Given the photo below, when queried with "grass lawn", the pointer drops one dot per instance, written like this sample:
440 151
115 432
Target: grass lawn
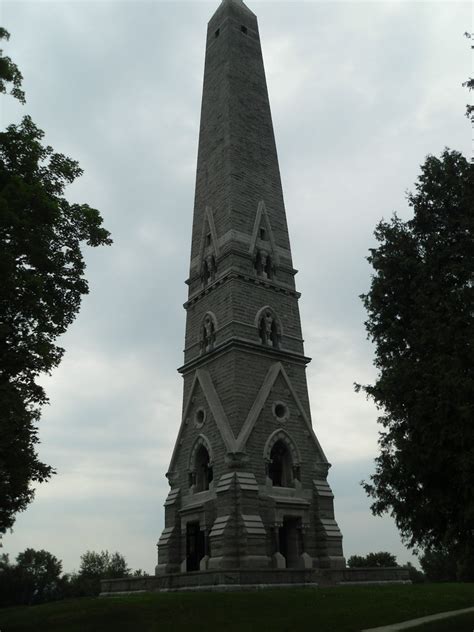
341 609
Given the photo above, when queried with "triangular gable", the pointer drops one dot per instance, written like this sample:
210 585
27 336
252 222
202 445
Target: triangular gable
232 444
274 371
208 226
203 378
262 218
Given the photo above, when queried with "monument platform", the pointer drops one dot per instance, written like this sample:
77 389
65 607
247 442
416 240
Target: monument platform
253 579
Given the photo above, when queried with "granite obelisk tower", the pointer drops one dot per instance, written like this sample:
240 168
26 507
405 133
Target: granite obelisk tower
247 475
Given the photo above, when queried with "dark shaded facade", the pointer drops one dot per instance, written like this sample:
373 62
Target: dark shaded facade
247 475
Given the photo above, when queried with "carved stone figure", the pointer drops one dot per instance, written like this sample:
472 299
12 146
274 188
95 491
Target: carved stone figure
208 334
211 266
268 321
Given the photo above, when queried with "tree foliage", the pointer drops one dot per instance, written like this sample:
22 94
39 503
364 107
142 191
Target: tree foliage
10 76
469 84
382 559
421 318
414 574
94 567
35 578
439 565
104 564
41 285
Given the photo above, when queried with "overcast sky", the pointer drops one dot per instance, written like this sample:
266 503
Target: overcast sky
360 94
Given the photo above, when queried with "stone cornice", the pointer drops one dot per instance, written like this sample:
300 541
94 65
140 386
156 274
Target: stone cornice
244 345
236 273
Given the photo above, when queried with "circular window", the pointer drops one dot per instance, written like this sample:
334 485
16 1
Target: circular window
280 411
199 417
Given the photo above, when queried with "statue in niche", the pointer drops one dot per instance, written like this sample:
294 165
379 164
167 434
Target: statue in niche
268 329
209 268
208 334
263 264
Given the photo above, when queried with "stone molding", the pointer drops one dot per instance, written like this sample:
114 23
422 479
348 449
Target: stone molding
263 215
247 345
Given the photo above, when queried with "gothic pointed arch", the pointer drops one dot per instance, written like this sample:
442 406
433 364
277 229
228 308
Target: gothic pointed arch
209 248
201 440
284 436
200 465
262 244
282 459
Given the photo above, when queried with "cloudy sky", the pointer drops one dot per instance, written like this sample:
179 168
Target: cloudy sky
360 94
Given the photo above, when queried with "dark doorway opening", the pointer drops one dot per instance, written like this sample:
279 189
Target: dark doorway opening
194 546
289 540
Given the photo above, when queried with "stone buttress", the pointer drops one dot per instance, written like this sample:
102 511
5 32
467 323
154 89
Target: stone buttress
248 476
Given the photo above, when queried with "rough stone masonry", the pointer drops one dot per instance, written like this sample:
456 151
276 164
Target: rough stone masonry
247 476
249 503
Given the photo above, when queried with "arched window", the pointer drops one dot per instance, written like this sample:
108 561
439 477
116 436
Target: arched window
202 469
280 468
268 329
282 460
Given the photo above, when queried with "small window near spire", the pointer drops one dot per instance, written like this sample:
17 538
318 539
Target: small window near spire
262 234
208 239
243 29
216 34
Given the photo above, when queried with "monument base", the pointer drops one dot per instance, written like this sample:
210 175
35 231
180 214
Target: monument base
253 579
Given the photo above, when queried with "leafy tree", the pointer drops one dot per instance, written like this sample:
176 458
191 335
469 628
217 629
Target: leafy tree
96 566
40 574
421 318
382 559
10 587
439 565
35 578
9 73
103 564
41 285
416 576
469 84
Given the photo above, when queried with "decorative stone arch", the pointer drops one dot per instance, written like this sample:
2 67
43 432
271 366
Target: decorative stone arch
269 326
282 435
202 440
209 248
200 471
282 460
207 332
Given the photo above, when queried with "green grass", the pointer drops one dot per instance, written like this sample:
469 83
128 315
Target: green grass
342 609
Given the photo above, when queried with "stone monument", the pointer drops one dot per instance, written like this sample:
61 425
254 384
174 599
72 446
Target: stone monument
248 476
249 502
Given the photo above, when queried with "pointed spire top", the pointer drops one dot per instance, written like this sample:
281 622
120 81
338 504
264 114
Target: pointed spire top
239 3
237 6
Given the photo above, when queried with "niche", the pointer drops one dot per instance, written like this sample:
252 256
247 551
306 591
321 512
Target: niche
263 264
268 329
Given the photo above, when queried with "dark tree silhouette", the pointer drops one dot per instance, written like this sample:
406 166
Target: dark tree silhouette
41 285
421 318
